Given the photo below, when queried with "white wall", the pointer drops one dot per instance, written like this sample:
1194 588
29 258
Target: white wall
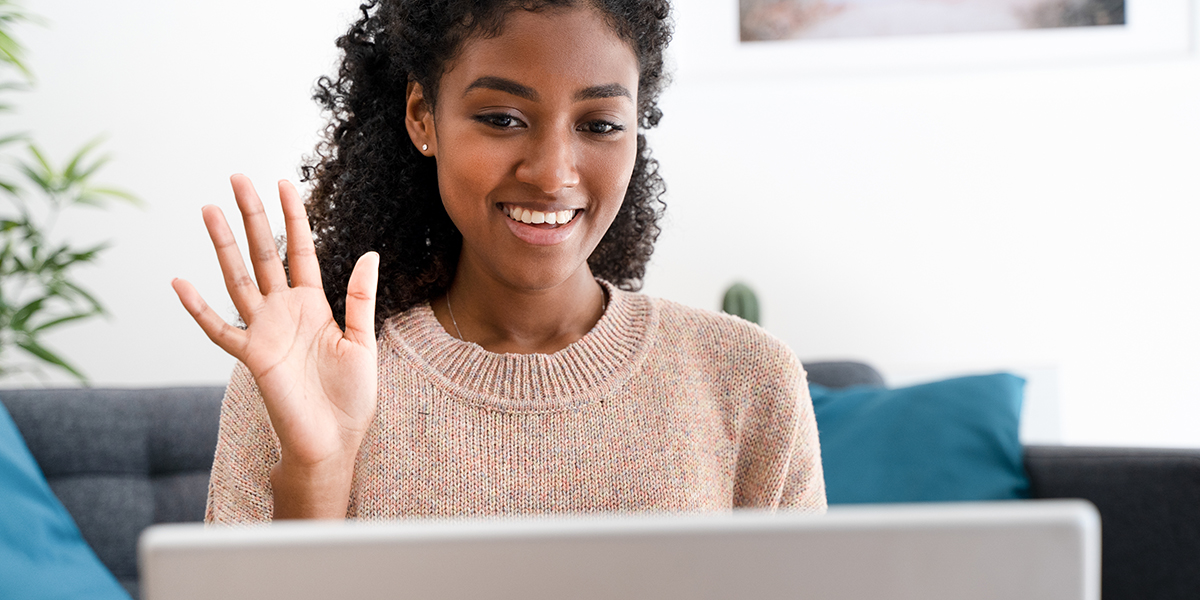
932 222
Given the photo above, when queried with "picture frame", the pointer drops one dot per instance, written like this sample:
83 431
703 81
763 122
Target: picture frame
707 43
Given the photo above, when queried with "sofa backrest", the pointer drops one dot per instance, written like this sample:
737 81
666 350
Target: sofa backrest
842 374
122 460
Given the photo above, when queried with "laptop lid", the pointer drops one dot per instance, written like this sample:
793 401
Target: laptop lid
1027 550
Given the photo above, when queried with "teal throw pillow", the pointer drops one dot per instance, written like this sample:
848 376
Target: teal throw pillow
42 554
952 440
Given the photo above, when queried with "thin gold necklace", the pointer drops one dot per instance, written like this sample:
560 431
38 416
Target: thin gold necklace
452 319
450 307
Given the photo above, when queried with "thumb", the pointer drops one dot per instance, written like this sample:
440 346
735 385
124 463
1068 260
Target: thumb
360 300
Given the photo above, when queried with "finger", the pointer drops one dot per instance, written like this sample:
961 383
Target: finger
360 300
239 283
229 338
302 256
264 255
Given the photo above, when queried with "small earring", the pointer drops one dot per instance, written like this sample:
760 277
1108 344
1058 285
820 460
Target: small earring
424 147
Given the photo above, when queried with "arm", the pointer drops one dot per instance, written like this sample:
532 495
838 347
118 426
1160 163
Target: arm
239 490
804 486
779 463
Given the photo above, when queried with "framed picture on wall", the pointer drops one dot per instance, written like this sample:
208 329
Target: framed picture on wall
774 37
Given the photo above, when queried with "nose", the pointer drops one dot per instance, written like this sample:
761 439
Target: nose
550 163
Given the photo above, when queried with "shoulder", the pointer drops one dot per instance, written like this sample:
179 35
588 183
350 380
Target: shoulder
721 346
719 333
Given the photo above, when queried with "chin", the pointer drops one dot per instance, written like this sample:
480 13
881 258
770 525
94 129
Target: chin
541 277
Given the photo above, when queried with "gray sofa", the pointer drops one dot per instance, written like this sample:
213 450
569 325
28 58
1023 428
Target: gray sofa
121 460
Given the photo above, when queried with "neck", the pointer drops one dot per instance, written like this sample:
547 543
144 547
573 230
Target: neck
503 318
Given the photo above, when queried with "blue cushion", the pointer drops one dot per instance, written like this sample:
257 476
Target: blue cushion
952 440
42 554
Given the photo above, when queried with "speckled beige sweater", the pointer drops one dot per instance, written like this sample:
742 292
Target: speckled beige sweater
660 407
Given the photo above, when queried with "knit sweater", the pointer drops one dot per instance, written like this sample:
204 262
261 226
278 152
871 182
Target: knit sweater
659 407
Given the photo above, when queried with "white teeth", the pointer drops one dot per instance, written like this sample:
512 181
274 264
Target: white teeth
535 217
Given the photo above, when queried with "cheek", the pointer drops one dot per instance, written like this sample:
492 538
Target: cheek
465 174
610 174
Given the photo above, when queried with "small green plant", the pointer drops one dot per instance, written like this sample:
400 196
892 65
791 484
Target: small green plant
37 291
740 301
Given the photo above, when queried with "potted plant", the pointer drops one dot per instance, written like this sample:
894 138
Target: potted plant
38 289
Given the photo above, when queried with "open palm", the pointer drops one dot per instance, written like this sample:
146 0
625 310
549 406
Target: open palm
318 382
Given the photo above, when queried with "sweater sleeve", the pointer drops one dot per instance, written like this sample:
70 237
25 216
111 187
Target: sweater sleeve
779 464
239 490
804 485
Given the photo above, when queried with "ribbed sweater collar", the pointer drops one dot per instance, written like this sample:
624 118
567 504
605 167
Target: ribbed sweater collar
581 373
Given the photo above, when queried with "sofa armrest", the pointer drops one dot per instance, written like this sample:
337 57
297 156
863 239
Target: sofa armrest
1149 503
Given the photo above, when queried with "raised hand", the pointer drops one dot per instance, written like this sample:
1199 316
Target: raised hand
319 383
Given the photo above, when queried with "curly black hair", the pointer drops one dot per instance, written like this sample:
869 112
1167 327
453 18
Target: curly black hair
374 191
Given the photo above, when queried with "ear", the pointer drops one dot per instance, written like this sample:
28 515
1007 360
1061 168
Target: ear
419 120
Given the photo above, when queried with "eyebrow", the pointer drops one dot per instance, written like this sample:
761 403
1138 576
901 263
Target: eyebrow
501 84
608 90
508 86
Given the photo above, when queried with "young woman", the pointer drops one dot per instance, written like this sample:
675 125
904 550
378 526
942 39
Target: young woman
455 331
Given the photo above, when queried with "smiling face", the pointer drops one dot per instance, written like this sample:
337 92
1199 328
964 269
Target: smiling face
535 136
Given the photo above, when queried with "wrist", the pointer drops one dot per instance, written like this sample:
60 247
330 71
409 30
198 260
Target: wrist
312 490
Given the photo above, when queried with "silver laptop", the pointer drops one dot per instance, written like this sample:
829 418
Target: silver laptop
1027 550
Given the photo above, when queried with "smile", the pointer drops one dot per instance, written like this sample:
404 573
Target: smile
537 217
541 228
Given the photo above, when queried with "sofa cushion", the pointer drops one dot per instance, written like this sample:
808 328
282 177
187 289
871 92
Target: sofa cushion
950 440
42 554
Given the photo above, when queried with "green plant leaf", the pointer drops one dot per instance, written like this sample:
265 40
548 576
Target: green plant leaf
40 179
25 312
86 296
64 320
41 158
89 254
12 53
115 193
70 172
12 189
37 350
80 176
15 137
65 256
19 266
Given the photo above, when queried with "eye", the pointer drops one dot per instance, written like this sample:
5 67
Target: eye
499 120
602 127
